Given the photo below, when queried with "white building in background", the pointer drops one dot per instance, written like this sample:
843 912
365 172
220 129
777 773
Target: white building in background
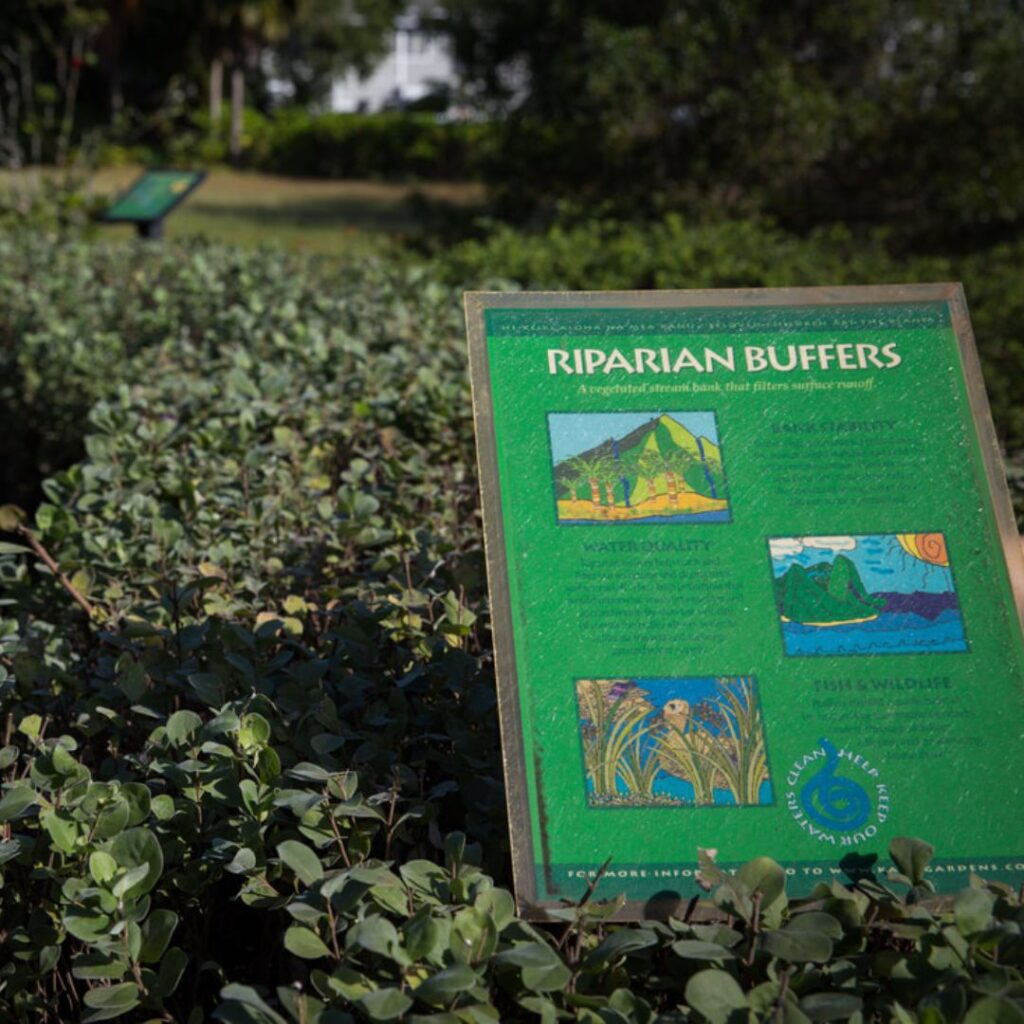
419 63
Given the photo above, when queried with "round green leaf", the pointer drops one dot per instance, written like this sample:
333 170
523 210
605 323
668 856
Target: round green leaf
993 1010
797 946
102 867
112 819
132 681
424 937
30 726
63 762
718 997
546 979
181 725
617 945
15 801
384 1004
87 925
120 998
972 911
139 801
374 934
134 847
304 943
694 949
911 856
172 967
162 807
816 921
302 860
831 1005
528 954
62 829
440 988
500 905
131 878
156 935
11 517
253 732
763 875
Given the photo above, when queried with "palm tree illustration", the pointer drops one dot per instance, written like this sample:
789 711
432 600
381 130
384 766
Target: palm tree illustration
666 463
592 470
573 480
649 465
630 472
680 462
609 477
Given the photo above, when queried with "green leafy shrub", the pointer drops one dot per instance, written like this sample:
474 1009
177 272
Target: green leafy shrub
250 763
676 253
405 145
74 314
398 145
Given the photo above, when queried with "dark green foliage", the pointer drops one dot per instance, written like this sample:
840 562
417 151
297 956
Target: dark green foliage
131 70
252 774
405 146
399 145
897 112
675 252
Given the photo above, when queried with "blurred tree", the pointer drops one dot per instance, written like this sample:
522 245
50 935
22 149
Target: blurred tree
140 61
327 38
299 45
903 111
45 46
238 32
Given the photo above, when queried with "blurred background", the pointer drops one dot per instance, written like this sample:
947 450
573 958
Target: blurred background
548 143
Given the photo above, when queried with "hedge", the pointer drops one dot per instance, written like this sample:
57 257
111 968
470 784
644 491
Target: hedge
677 253
398 145
402 145
251 764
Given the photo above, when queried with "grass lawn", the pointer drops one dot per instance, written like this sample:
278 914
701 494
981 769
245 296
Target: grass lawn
311 215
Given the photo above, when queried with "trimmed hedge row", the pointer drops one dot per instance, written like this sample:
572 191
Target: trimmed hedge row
250 761
392 145
676 253
417 146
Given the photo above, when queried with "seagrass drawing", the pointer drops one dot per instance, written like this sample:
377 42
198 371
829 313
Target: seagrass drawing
673 742
637 468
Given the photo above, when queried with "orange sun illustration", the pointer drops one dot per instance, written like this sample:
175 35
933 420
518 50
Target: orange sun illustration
928 547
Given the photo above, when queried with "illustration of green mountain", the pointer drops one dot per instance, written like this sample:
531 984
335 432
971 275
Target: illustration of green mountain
825 594
660 468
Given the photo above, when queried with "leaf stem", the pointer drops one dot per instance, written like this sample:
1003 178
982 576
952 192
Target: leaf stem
337 831
33 542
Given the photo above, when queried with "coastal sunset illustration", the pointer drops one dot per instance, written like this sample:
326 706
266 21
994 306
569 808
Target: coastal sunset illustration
890 593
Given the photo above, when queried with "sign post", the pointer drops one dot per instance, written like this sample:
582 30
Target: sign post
756 587
150 198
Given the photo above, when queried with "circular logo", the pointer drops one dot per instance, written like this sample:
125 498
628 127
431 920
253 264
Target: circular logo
836 795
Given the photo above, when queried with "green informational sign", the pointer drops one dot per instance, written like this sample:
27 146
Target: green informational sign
153 196
753 571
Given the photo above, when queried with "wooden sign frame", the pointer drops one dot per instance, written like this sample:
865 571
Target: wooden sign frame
755 394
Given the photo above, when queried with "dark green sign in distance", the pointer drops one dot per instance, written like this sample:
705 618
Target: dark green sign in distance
152 196
756 587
